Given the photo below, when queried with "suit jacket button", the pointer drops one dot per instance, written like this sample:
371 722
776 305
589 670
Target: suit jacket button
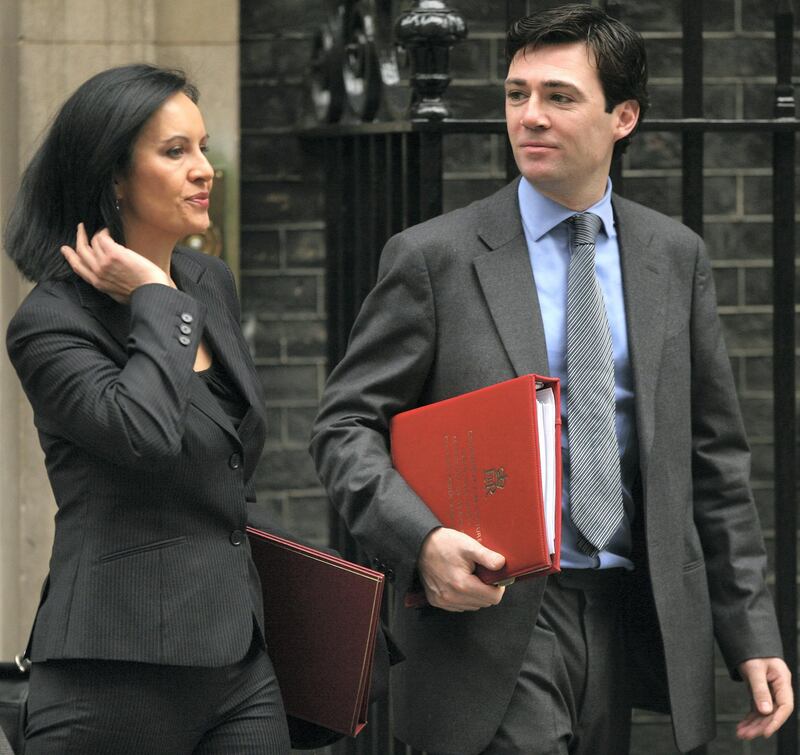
186 317
184 340
235 461
237 537
185 329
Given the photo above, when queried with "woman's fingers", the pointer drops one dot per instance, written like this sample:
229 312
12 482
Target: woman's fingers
71 256
85 252
110 267
81 257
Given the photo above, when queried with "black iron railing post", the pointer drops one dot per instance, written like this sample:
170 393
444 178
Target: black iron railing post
783 360
692 96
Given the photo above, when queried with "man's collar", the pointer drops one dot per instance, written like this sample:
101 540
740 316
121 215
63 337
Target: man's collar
541 214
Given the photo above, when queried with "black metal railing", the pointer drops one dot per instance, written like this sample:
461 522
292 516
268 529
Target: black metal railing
387 174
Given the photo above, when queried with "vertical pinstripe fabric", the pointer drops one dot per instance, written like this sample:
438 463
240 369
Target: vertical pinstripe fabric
595 487
150 476
78 707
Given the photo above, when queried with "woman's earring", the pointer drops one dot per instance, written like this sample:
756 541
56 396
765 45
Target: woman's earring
116 204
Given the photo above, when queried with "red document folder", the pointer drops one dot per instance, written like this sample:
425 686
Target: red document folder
475 460
321 616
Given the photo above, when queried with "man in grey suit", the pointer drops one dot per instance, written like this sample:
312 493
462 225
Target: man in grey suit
480 295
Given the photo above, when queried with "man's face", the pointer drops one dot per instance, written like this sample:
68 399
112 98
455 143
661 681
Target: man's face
560 132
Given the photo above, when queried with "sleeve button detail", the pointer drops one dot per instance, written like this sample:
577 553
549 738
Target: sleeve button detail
186 329
184 340
186 317
237 537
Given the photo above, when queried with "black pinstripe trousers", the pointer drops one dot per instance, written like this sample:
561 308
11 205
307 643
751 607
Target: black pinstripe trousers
77 707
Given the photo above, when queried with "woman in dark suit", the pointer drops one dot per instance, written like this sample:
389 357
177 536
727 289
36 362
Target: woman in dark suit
148 637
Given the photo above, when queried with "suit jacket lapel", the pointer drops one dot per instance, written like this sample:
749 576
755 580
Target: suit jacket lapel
224 336
505 276
645 292
508 284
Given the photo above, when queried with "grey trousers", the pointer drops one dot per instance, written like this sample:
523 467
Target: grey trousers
571 696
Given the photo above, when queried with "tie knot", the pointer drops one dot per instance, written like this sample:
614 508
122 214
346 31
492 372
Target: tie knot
586 226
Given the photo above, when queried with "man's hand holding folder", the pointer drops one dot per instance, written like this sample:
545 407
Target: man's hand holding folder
488 465
446 565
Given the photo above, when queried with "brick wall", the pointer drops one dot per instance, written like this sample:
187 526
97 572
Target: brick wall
282 251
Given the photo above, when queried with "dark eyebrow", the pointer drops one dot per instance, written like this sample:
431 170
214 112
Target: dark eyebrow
181 137
557 84
549 84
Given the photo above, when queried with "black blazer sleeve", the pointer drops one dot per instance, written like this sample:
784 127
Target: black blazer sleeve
125 405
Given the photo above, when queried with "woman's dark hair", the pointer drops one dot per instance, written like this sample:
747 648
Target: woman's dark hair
71 177
618 50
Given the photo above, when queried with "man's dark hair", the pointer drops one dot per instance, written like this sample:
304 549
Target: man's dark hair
71 177
618 51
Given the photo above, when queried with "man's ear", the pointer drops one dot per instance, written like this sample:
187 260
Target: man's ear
627 116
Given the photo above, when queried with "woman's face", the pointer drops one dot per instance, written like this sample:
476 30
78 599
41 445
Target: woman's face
164 196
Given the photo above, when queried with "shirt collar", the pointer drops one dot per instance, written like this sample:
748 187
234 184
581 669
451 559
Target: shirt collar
541 214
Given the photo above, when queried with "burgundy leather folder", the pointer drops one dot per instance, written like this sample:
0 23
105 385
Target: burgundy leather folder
321 616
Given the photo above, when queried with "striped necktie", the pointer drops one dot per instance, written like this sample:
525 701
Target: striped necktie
595 487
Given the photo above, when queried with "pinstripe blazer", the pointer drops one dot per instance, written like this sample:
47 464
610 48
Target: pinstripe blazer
151 479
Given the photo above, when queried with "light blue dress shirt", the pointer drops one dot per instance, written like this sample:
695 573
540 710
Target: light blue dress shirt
548 246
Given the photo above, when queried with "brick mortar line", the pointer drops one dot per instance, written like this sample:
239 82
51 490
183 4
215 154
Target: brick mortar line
755 353
717 80
710 172
743 220
745 264
750 309
290 36
271 81
273 178
753 219
297 225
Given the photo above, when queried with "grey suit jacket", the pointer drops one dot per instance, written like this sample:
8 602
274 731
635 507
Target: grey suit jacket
151 479
454 309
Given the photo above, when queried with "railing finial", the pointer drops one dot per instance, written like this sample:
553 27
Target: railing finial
427 32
